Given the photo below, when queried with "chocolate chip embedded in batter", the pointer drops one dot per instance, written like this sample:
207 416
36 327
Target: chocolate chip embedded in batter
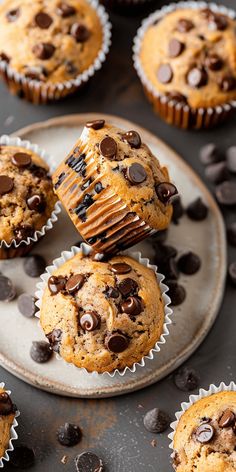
54 337
116 342
120 268
228 83
36 73
165 191
227 419
13 15
108 147
175 47
95 124
43 20
75 283
213 62
4 57
36 203
80 32
184 25
6 184
6 405
197 77
111 292
133 138
204 433
132 306
136 174
217 22
56 284
127 287
23 232
43 51
90 320
177 97
65 10
165 74
21 159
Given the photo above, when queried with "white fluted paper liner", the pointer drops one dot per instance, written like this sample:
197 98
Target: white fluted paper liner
15 141
193 399
86 249
13 434
212 112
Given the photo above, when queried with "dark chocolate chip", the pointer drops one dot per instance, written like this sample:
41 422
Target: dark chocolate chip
163 253
178 210
120 268
13 15
231 159
69 435
112 292
136 174
159 236
165 74
176 47
6 184
189 263
217 173
197 210
43 20
186 379
71 68
55 339
36 73
132 306
23 232
184 25
56 284
40 352
21 159
217 22
22 457
7 289
95 124
116 342
228 83
209 154
213 62
177 97
88 462
108 147
231 233
170 269
177 292
165 191
226 193
6 405
4 57
133 138
26 305
75 283
34 265
197 77
38 171
65 10
90 320
204 433
98 187
127 287
232 272
43 51
227 419
79 32
36 203
156 421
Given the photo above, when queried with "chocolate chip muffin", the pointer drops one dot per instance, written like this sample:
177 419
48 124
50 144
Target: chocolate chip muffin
7 415
205 438
113 188
190 75
47 45
102 315
27 198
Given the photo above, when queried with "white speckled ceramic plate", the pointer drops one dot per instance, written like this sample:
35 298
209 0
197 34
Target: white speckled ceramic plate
191 321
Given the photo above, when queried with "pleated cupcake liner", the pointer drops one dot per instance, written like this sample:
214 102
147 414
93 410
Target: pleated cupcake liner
13 434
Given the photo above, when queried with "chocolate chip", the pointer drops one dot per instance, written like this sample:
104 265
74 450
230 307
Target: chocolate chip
170 269
156 421
88 462
60 180
217 22
176 47
177 97
189 263
6 405
213 62
228 83
69 435
127 287
204 433
232 272
36 73
36 203
186 379
23 232
6 184
184 25
108 147
65 10
56 284
13 15
165 74
164 252
120 268
133 138
197 77
217 173
132 306
116 342
165 191
136 174
34 265
40 352
95 124
38 171
4 57
7 289
231 233
44 51
227 419
197 210
21 159
74 283
209 154
26 305
98 187
90 320
22 457
79 32
159 236
112 292
43 20
71 67
178 210
231 159
177 292
54 337
226 193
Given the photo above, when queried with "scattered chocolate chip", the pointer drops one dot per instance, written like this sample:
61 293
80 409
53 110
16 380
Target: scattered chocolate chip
178 210
209 154
23 232
79 32
36 203
127 287
186 379
6 405
227 419
226 193
177 97
156 421
189 263
21 159
136 174
184 25
95 124
74 283
108 147
6 184
88 462
197 77
69 435
217 173
197 210
36 73
165 191
22 457
40 352
132 306
204 433
26 305
177 292
120 268
90 320
164 252
133 138
4 57
231 233
213 62
116 342
232 272
176 47
65 10
170 269
55 339
43 51
231 159
56 284
112 292
98 187
34 265
43 20
13 15
7 289
228 83
217 22
165 74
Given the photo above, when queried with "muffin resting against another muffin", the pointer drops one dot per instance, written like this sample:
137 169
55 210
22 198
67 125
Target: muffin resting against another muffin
7 415
205 438
102 315
113 188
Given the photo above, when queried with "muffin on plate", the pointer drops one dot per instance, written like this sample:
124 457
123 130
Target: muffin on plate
102 316
190 75
113 188
49 48
7 416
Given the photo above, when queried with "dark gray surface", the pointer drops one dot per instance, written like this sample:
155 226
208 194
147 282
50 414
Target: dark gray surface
114 427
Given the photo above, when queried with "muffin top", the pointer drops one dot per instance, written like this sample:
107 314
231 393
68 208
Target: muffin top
49 40
7 415
26 193
205 439
102 315
195 60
